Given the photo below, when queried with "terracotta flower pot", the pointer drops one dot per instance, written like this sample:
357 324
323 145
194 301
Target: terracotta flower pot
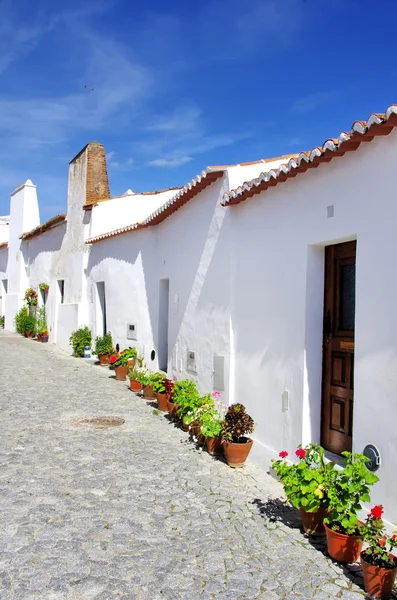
236 453
214 446
162 402
131 363
173 410
135 386
103 359
342 547
378 581
28 334
313 521
148 393
121 373
184 427
38 337
195 429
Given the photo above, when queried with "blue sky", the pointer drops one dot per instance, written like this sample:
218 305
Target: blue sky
179 86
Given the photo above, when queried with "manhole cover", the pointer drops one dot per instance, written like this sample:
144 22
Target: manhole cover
99 422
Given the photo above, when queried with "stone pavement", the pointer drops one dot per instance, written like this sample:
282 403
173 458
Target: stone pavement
133 512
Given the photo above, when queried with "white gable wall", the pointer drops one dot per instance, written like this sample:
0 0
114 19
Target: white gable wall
277 302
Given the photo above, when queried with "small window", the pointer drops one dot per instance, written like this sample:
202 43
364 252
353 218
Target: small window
61 285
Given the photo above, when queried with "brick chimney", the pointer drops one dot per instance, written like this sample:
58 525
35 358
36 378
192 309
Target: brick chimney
88 176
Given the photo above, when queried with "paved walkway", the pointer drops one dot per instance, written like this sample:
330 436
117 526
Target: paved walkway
134 512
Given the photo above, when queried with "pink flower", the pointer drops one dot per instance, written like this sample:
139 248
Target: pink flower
283 454
376 512
174 378
216 395
300 453
393 537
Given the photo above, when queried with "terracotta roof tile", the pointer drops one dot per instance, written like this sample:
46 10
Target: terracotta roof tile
53 222
378 124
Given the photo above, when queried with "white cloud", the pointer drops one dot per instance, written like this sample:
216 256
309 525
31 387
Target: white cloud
18 39
170 162
121 86
310 102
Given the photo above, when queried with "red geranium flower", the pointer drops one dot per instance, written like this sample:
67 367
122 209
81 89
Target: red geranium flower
376 512
113 359
283 454
300 453
393 537
382 542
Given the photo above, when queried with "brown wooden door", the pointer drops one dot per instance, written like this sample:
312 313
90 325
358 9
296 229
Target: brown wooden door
338 347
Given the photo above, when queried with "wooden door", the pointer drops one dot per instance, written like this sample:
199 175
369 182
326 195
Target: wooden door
338 347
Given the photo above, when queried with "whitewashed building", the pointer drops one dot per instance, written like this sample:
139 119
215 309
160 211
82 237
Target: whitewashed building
279 292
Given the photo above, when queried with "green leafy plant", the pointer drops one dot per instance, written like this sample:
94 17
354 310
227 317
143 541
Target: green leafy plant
20 319
2 322
42 327
31 297
44 287
237 424
211 424
121 359
158 384
136 369
79 339
29 325
380 545
305 482
346 489
143 377
103 344
186 395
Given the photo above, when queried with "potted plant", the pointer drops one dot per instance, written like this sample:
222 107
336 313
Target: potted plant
44 287
104 348
29 326
119 362
131 355
133 374
378 563
148 386
210 417
305 485
2 322
235 427
20 320
31 298
42 327
346 489
79 339
169 390
186 400
160 392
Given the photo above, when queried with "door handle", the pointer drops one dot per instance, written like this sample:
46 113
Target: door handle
328 326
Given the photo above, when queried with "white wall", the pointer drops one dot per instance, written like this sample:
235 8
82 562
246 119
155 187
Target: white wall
44 255
182 250
277 295
3 276
126 210
4 229
24 216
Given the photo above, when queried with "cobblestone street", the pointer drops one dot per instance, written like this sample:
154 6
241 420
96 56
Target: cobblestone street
137 511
